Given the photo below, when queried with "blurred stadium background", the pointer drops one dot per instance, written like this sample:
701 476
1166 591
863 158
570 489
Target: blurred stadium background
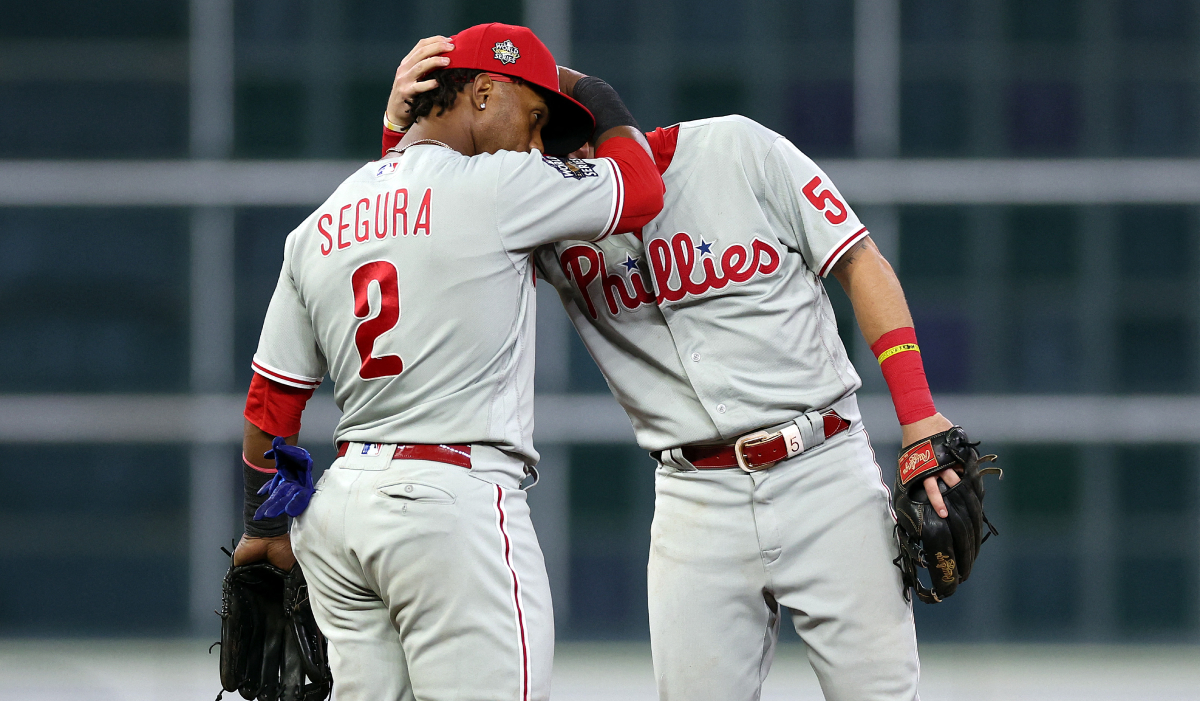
1030 167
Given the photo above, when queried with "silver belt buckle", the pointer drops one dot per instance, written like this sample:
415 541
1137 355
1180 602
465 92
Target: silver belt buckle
741 459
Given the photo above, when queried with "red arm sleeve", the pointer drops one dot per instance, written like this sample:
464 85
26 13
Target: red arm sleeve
390 139
643 186
274 407
900 361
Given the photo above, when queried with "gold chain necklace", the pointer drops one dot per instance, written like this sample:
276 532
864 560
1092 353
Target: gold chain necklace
433 142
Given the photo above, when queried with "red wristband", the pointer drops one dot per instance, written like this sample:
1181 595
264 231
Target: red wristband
900 361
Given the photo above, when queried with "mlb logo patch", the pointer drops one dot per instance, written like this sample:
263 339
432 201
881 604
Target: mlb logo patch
386 169
370 449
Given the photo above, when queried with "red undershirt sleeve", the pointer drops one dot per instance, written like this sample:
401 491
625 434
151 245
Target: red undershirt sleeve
390 139
662 145
642 182
275 407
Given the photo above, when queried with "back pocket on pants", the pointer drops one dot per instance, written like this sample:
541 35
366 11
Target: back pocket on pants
417 492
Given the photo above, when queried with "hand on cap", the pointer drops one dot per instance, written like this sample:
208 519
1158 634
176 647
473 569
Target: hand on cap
426 56
567 79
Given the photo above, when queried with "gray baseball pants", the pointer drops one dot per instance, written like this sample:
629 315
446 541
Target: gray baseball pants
428 582
812 534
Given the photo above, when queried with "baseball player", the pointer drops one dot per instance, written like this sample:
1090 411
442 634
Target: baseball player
412 287
714 331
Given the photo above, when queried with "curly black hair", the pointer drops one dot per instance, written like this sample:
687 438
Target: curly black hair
450 83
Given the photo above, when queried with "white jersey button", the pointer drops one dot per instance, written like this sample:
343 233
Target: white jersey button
695 357
720 408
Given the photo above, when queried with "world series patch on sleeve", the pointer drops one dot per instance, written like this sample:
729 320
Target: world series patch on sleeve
946 547
576 168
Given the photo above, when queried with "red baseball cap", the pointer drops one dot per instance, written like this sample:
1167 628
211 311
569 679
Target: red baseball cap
515 51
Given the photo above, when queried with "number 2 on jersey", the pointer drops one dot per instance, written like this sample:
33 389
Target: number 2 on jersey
385 274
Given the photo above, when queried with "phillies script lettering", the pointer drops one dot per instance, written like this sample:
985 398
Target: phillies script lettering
584 264
738 264
388 212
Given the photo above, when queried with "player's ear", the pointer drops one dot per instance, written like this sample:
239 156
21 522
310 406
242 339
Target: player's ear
482 89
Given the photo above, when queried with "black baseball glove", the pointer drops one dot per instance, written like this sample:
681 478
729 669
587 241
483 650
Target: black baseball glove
946 547
269 640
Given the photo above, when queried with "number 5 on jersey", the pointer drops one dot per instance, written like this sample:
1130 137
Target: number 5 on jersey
384 273
821 200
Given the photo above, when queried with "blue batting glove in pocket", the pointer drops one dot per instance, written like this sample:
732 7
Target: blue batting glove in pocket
292 486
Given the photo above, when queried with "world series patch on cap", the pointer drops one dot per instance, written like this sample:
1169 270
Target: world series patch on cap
506 52
517 52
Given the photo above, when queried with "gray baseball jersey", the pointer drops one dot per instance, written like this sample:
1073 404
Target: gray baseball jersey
716 322
412 287
609 295
719 325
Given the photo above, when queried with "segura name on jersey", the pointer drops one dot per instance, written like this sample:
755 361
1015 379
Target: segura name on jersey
366 219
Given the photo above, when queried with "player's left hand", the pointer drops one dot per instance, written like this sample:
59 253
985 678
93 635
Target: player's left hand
911 433
424 57
946 546
276 550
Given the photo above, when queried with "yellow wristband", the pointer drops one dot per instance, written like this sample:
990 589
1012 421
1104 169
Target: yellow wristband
897 349
387 124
